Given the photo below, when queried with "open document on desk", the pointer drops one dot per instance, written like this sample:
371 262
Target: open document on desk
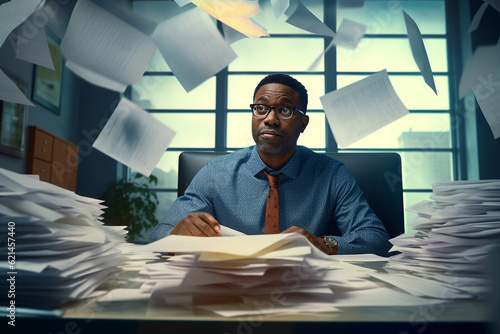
263 274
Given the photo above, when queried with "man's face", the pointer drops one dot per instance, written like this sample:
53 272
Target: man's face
274 136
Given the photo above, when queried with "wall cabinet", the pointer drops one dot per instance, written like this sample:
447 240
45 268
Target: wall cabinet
54 159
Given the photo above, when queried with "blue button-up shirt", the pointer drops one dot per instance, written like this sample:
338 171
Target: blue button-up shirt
316 193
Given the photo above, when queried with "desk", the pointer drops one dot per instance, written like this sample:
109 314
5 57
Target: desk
458 317
461 316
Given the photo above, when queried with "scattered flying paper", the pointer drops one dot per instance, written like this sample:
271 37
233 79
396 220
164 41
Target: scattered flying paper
479 68
349 34
102 43
350 3
279 7
234 13
134 137
192 47
488 97
477 17
361 108
13 13
231 35
34 48
494 3
418 50
10 92
302 18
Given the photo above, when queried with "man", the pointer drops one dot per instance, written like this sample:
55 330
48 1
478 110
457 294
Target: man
318 197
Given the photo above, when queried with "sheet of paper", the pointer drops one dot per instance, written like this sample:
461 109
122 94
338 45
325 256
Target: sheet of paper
279 7
100 42
182 3
300 17
420 287
488 97
13 13
361 108
242 246
134 137
494 3
34 48
478 70
350 3
260 308
229 232
360 258
95 78
349 34
231 35
10 92
418 51
124 295
234 13
477 17
193 47
125 13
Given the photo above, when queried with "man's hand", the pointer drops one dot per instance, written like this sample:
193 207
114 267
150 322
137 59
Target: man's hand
199 225
316 241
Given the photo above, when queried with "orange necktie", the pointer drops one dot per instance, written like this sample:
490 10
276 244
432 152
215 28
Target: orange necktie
272 218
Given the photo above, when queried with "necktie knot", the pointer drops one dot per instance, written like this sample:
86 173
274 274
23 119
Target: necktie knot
273 179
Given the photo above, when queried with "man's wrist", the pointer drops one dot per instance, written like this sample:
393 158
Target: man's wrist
331 243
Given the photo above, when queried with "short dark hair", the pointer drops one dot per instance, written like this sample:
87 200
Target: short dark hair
285 79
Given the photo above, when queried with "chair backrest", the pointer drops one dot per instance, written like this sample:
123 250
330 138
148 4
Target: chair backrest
378 175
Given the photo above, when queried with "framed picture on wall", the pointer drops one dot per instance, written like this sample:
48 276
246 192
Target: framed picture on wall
47 83
13 118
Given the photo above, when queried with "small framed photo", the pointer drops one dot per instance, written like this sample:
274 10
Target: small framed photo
13 119
47 83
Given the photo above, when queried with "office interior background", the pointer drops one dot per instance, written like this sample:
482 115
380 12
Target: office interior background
443 138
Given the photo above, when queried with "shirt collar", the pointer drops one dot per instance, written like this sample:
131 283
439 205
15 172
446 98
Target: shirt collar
291 168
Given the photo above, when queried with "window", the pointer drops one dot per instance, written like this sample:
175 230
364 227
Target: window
215 115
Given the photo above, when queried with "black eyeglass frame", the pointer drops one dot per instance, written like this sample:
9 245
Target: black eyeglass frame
270 108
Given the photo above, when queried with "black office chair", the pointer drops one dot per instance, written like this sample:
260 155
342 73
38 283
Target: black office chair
378 175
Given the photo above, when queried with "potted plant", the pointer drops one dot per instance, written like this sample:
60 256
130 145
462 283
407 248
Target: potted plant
131 203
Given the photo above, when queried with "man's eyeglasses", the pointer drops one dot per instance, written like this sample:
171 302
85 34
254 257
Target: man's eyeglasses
282 112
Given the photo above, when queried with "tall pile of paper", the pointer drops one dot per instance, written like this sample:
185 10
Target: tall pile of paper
258 274
56 249
457 230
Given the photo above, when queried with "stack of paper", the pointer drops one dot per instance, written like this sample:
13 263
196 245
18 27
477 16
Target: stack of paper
263 274
457 231
57 248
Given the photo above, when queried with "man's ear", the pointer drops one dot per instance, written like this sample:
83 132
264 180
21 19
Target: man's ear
305 121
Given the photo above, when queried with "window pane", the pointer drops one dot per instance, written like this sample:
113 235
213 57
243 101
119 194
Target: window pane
413 91
241 88
166 170
385 17
277 54
314 135
239 129
375 54
165 92
413 130
267 18
421 169
192 129
410 199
